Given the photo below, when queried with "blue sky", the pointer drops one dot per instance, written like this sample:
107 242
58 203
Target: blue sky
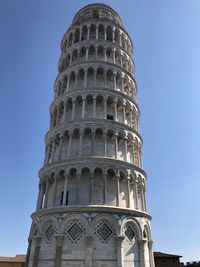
166 37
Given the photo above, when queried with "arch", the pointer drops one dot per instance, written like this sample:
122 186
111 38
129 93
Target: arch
109 33
74 217
84 33
70 39
101 32
83 53
77 35
91 52
75 56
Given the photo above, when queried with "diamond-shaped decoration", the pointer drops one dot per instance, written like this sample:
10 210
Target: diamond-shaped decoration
129 232
105 232
75 232
50 231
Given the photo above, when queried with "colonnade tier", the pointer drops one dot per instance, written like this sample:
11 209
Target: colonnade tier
94 75
96 185
97 31
87 105
95 141
86 52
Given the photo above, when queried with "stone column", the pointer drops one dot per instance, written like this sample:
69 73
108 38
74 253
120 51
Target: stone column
46 193
95 77
55 189
53 152
94 106
120 260
83 107
68 80
118 190
115 80
142 198
105 78
60 148
128 190
131 116
105 143
116 115
122 84
151 258
69 146
105 37
116 146
105 54
135 194
91 188
114 59
65 190
93 142
64 113
105 108
85 78
37 242
120 38
113 34
124 112
97 32
88 250
40 196
73 109
142 252
78 175
80 143
104 188
59 245
126 147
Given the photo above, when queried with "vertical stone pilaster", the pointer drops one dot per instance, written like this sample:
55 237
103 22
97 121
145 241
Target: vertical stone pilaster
58 254
88 250
120 256
37 241
141 243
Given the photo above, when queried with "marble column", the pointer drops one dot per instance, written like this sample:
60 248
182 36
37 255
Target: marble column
83 107
37 240
46 193
59 245
88 250
120 260
65 190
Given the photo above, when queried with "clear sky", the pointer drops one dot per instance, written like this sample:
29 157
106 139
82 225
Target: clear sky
166 37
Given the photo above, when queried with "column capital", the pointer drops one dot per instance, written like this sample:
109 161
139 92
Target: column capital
120 238
37 240
59 239
89 240
150 243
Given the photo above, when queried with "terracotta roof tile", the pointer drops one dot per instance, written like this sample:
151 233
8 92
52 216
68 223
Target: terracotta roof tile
17 258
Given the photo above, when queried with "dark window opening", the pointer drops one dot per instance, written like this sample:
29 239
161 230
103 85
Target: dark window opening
61 198
110 117
95 14
67 198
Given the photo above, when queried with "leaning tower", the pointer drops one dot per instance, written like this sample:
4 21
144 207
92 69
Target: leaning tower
91 209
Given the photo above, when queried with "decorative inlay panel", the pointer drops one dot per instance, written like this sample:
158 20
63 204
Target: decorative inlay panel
105 232
75 231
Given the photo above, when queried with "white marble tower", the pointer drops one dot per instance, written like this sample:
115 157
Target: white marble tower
91 209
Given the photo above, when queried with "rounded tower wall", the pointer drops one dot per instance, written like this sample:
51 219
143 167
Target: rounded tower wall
91 209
